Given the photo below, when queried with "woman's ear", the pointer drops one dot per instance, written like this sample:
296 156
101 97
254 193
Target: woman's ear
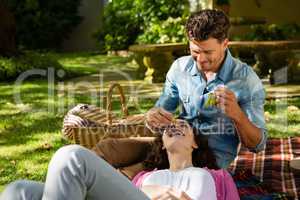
194 145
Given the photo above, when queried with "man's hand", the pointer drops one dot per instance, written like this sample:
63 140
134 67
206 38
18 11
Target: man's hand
158 118
250 134
227 102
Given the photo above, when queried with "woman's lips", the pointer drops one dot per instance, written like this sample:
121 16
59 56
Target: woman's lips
171 134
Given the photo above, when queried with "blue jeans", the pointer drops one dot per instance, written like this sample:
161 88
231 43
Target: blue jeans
75 173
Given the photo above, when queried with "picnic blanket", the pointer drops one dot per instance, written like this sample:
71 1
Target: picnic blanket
267 174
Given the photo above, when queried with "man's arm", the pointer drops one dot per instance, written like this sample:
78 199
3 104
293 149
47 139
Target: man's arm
251 136
169 99
161 114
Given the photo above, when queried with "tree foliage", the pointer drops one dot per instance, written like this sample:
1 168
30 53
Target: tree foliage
125 20
44 24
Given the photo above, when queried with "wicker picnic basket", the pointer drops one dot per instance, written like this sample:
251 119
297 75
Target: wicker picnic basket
103 124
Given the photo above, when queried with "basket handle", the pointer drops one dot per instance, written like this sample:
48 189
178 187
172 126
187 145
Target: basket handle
109 101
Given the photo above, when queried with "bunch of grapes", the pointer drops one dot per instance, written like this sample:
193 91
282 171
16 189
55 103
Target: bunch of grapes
211 100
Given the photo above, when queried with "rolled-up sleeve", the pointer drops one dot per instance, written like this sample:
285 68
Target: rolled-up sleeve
169 99
254 108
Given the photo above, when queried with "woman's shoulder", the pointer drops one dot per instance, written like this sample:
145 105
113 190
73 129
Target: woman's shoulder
197 170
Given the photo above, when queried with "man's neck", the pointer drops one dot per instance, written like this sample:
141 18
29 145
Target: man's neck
179 161
209 75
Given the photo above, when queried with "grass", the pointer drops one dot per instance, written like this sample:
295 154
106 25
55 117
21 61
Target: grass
90 63
31 132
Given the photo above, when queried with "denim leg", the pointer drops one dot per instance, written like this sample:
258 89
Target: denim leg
77 173
23 190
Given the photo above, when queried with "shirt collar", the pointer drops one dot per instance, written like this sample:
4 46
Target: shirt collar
193 67
226 68
223 72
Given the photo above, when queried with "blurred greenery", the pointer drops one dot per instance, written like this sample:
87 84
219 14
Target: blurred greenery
71 64
169 31
125 20
44 24
11 68
271 32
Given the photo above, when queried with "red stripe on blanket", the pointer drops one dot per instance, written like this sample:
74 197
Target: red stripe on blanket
272 165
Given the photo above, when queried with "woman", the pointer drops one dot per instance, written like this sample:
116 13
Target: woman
179 156
77 173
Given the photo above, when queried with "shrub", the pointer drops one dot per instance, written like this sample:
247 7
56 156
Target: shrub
168 31
11 68
124 20
153 10
44 24
273 32
121 25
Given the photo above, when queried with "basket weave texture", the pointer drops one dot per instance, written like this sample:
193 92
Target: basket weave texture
87 124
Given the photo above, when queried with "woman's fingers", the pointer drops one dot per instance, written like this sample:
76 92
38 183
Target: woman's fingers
166 196
185 196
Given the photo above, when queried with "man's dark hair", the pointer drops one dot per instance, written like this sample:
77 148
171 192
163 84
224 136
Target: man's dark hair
207 23
157 157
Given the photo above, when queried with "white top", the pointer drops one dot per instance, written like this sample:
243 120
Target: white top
196 182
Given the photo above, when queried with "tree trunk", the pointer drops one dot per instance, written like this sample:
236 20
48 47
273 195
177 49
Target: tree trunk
7 32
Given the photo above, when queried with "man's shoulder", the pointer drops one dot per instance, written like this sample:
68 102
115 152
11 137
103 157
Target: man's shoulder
245 73
184 63
241 69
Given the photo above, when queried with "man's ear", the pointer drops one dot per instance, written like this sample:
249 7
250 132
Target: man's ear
225 43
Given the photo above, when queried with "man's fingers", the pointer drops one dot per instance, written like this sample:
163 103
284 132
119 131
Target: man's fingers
224 97
160 112
158 120
225 101
164 119
222 91
166 114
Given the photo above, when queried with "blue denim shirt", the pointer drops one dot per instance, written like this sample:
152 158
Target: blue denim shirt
186 86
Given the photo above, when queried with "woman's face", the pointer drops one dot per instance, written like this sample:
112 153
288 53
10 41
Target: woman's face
179 136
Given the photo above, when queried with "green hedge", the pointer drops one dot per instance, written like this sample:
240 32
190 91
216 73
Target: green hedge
271 32
44 24
121 25
11 68
125 20
168 31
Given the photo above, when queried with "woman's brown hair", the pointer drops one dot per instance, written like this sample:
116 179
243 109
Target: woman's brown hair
201 157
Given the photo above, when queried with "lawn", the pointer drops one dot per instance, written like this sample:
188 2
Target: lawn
30 132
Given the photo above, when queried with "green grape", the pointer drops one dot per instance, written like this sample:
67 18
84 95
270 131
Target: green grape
211 100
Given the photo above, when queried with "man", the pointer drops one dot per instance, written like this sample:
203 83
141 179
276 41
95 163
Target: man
211 72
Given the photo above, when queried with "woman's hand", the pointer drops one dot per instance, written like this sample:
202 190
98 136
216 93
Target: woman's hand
157 192
172 194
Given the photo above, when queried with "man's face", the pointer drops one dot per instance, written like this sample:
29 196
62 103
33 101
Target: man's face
208 53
